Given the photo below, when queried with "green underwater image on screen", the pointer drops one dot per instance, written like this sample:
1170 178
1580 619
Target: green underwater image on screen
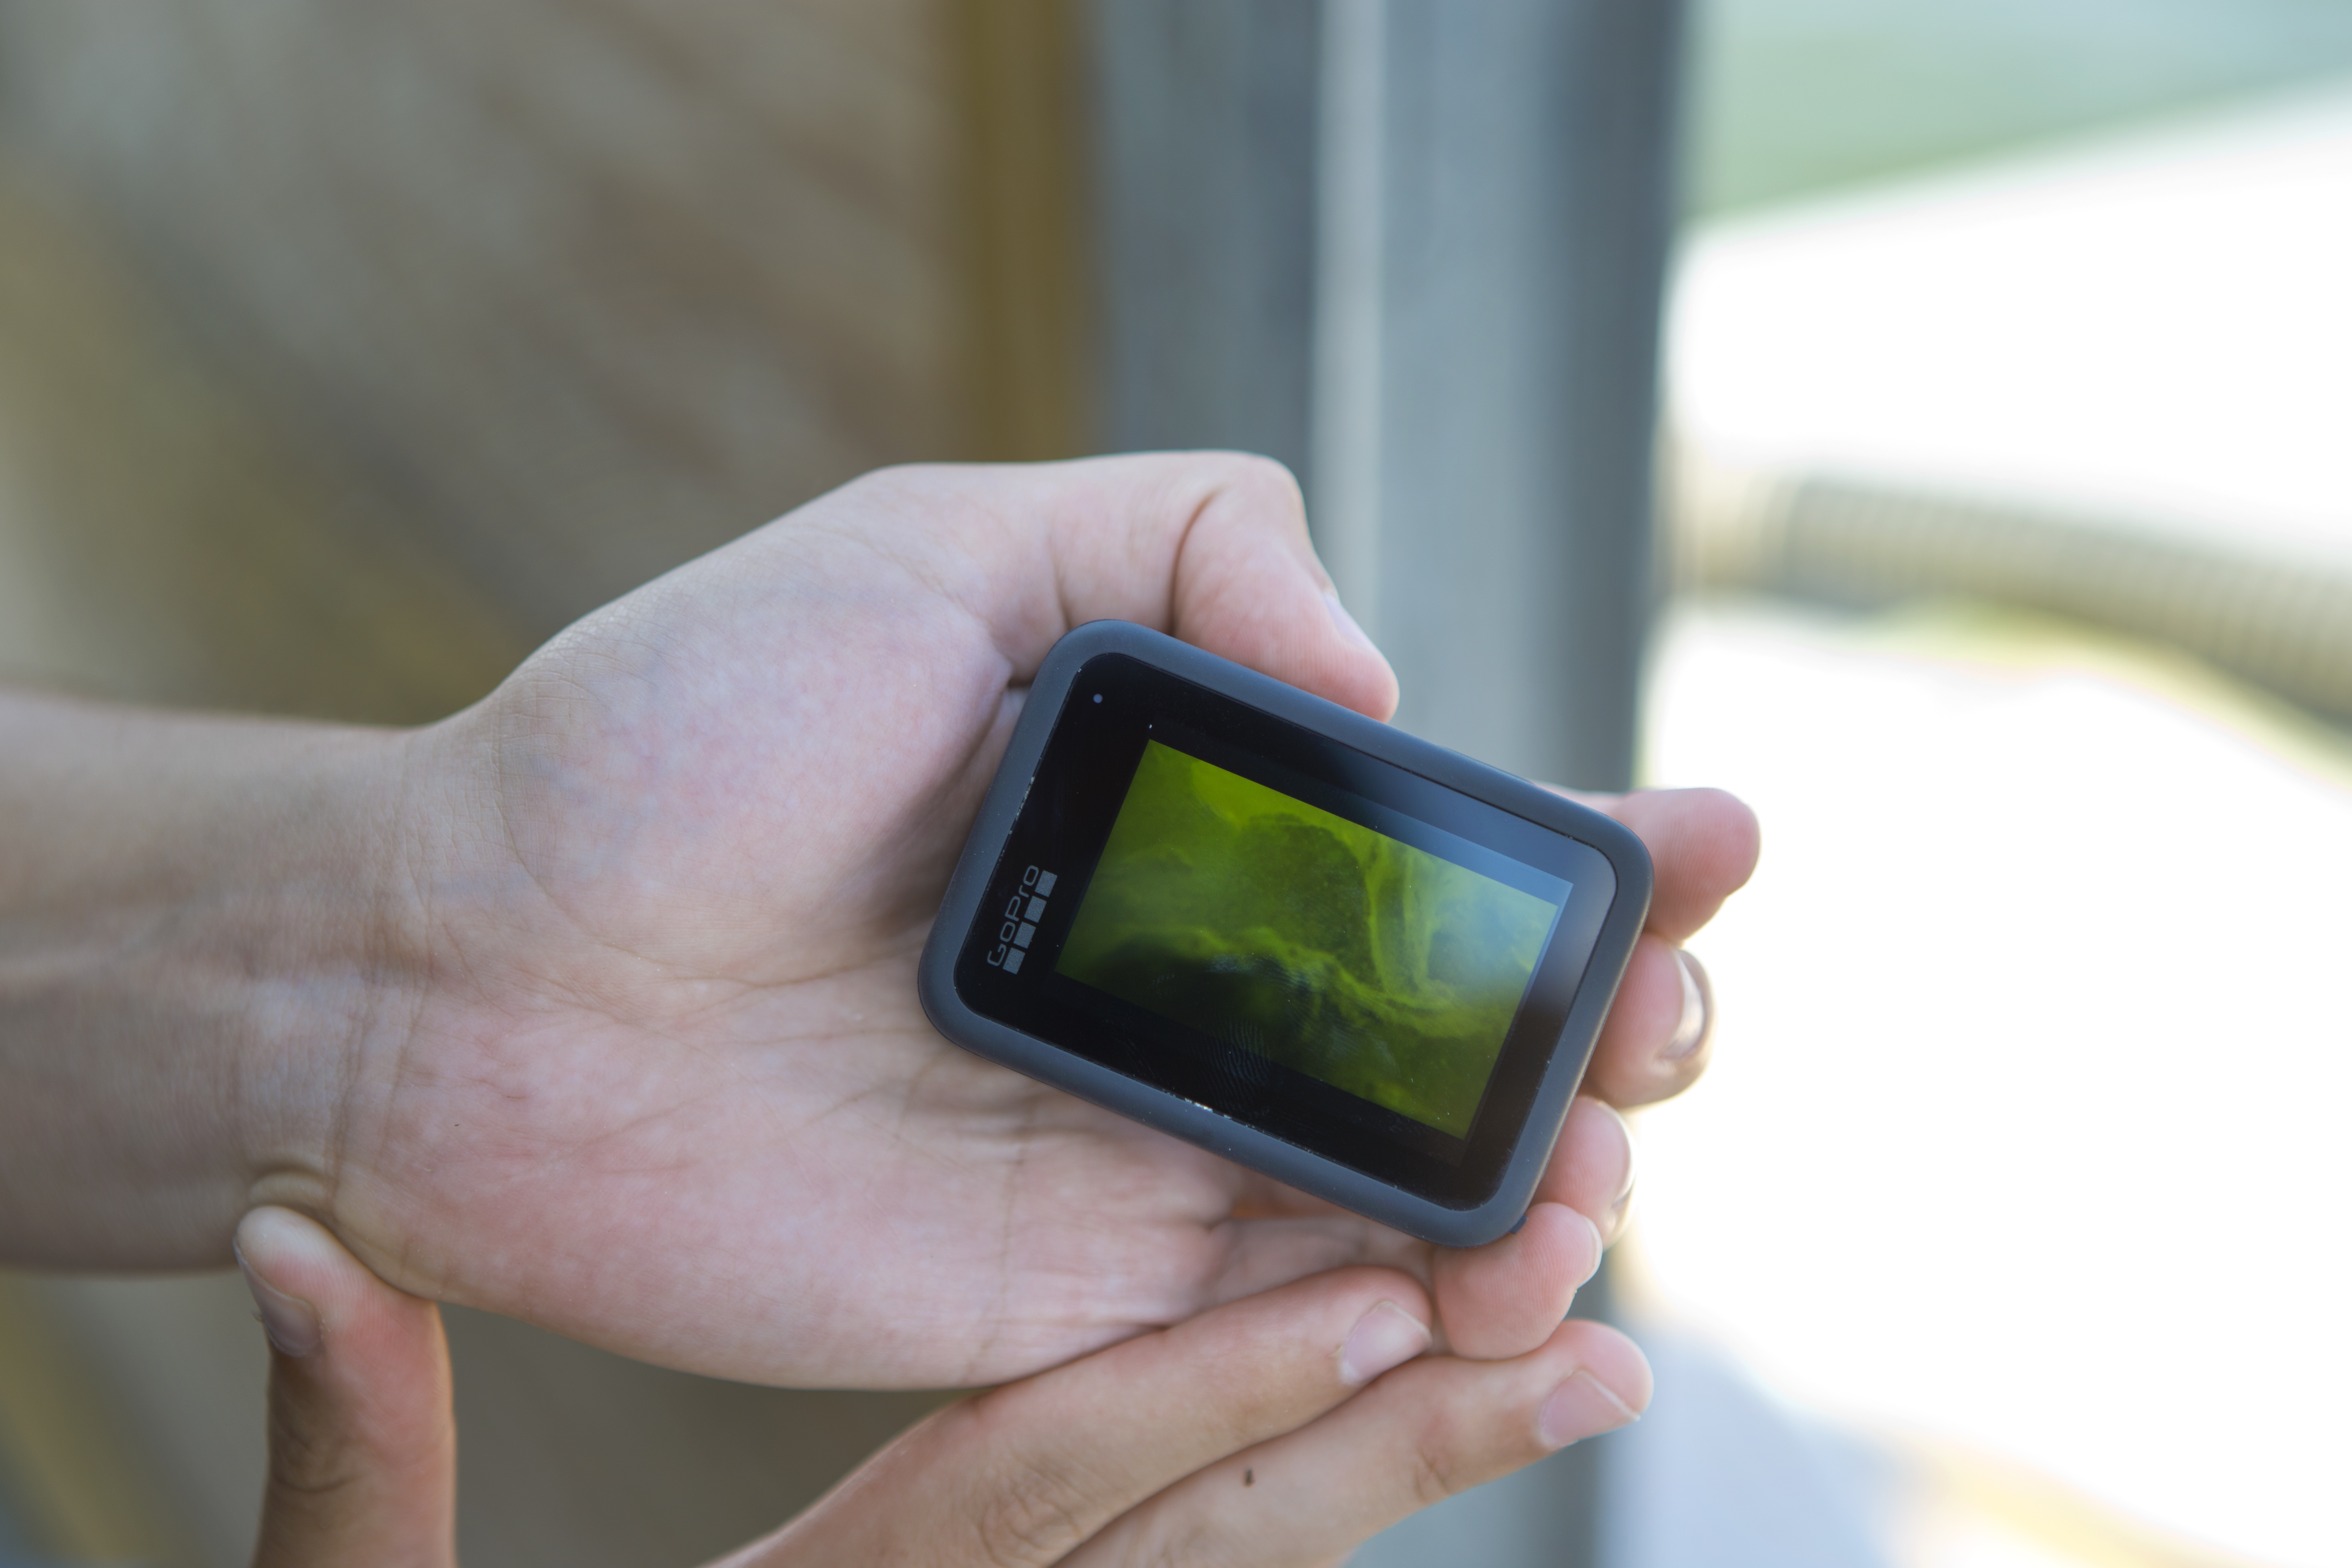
1268 923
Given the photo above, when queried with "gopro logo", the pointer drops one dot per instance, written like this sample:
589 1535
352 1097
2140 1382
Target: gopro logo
1019 927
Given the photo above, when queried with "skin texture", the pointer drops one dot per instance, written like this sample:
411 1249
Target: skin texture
1284 1429
594 1004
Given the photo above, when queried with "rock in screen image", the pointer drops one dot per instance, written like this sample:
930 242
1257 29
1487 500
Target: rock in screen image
1274 925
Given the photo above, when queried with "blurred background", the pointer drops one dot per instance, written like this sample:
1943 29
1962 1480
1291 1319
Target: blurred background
1996 543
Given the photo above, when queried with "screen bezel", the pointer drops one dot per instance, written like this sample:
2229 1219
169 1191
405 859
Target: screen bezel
1113 704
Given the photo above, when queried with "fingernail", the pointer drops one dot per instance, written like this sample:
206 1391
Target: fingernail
1690 1032
1599 1246
1618 1132
1346 622
1579 1408
1624 1203
291 1323
1618 1212
1385 1337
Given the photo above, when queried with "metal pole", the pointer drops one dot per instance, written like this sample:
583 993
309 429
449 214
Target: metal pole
1416 249
1204 199
1491 509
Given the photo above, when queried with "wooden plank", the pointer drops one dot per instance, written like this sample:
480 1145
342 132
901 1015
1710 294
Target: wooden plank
590 287
411 332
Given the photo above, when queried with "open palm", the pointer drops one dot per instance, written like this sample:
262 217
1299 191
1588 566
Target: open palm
665 1085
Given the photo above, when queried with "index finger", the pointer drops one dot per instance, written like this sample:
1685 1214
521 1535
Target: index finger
1703 843
1702 846
1030 1471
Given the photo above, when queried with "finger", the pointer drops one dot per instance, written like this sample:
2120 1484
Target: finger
1211 547
1026 1472
1500 1300
1655 1040
1418 1436
1506 1297
1592 1168
1702 846
362 1449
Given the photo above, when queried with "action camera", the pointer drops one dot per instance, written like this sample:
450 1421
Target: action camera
1361 963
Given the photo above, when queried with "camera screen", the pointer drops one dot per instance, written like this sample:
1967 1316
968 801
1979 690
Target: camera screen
1284 930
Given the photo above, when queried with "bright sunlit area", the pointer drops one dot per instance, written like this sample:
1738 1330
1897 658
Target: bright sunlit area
2021 1147
2012 373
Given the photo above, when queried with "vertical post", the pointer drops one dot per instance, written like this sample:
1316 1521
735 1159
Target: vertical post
1500 199
1416 249
1513 162
1351 300
1205 198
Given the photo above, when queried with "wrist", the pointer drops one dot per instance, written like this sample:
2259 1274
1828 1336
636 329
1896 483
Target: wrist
200 919
330 957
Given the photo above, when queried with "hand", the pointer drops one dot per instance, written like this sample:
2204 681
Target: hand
658 1079
1283 1429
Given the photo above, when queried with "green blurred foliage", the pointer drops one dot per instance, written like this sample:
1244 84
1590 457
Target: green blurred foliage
1307 939
1797 96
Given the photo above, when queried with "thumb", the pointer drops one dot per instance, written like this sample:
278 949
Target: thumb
362 1445
1211 547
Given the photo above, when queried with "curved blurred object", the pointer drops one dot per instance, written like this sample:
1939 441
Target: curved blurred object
2282 623
2108 381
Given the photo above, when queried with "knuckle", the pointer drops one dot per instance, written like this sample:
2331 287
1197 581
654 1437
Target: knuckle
1434 1466
1262 472
1037 1514
1432 1476
308 1463
1253 478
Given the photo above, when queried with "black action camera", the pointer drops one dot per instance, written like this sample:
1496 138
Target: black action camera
1361 963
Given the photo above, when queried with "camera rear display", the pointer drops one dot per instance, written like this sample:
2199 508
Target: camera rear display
1382 969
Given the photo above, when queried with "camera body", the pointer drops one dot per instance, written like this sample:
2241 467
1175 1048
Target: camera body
1361 963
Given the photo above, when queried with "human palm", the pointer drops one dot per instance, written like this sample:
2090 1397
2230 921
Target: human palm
667 1086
